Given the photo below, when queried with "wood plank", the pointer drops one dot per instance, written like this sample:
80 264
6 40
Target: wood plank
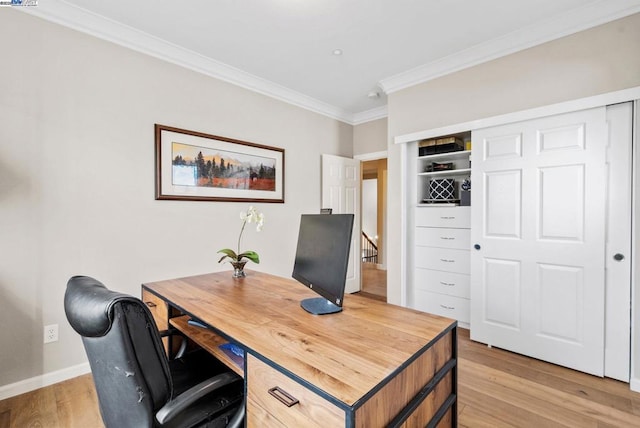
35 409
208 340
479 406
573 383
526 392
71 402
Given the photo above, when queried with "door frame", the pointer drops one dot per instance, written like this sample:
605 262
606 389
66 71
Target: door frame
371 157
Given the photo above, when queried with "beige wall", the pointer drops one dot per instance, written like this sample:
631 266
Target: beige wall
370 137
596 61
77 178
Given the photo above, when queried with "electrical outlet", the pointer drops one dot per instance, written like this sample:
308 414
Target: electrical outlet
50 333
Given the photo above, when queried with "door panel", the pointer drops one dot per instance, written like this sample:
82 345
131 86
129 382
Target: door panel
503 209
561 291
562 203
502 292
538 275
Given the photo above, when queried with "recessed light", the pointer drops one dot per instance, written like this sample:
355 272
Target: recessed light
337 52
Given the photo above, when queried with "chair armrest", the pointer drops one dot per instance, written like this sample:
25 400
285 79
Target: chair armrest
238 417
191 395
183 344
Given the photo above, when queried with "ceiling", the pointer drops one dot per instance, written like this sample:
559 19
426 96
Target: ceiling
284 48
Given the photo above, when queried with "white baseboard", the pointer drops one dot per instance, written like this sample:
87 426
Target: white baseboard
46 379
634 384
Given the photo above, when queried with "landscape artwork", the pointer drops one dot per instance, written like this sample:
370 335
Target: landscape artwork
201 166
192 165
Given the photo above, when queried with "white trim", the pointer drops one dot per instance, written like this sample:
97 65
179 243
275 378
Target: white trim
82 20
634 382
404 227
46 379
370 115
372 156
573 21
553 109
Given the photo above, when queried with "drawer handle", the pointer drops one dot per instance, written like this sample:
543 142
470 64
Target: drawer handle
452 217
283 397
448 284
447 260
447 238
150 304
447 307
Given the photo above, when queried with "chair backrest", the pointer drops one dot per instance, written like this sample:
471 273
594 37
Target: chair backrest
130 369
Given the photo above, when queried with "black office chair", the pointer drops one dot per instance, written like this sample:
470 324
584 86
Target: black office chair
137 385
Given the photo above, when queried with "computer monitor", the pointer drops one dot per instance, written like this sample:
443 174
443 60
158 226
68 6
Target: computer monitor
322 258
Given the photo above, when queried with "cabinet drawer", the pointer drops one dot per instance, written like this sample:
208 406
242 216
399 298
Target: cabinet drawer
311 410
441 304
453 284
443 259
158 308
443 237
458 217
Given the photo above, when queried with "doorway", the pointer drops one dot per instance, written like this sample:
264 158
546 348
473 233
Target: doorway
374 208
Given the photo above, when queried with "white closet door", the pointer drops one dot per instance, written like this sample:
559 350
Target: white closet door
538 230
618 248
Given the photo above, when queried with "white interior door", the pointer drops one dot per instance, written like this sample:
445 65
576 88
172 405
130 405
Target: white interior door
618 248
538 225
341 192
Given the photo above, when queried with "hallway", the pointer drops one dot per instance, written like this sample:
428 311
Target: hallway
374 282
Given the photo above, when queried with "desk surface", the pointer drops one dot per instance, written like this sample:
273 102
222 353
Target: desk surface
345 354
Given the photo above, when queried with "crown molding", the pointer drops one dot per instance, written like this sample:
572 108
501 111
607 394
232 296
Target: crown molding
588 16
369 115
65 14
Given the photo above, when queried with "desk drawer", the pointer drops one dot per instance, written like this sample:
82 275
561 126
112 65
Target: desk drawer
457 217
440 304
158 308
443 237
443 259
311 410
453 284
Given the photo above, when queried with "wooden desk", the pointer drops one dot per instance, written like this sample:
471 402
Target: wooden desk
371 365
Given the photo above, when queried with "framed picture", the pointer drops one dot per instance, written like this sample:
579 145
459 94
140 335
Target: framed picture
195 166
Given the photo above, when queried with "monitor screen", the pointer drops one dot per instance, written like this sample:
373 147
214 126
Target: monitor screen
322 258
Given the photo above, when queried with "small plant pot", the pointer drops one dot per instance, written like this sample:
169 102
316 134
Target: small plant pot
238 269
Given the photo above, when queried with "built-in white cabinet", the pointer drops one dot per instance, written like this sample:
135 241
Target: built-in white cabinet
441 249
441 261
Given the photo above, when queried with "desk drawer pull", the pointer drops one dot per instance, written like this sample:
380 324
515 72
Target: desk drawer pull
283 397
447 260
450 217
150 304
447 238
449 308
448 284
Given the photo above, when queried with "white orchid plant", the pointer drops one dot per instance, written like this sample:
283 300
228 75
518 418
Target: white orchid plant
252 215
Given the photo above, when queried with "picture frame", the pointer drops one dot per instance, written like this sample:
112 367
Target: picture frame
194 166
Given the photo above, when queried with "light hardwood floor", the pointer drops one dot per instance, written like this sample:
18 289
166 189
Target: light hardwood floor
374 282
496 389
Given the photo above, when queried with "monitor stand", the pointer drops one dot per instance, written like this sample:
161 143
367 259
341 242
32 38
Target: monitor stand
319 306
